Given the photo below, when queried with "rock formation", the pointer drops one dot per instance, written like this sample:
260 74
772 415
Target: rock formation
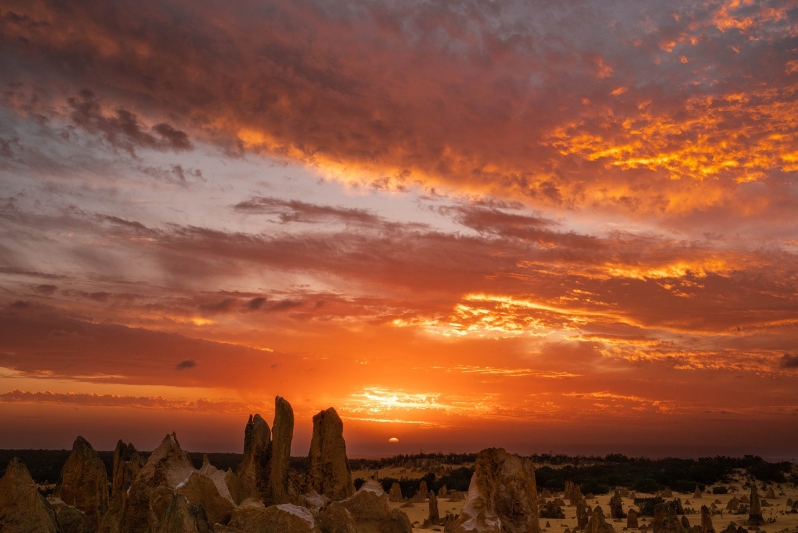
84 482
395 495
631 519
434 516
253 517
667 493
282 434
444 491
665 520
127 464
69 519
597 523
733 505
685 523
755 513
423 491
573 493
254 468
770 494
616 506
582 516
551 510
335 518
328 467
370 509
706 520
502 495
697 494
200 490
181 516
22 508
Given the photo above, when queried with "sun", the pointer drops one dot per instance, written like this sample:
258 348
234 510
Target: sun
393 439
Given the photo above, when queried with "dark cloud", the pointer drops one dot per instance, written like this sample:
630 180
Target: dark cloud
789 361
46 289
297 211
183 365
123 129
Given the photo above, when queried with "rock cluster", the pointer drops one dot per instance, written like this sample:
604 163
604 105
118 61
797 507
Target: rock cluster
502 496
597 523
616 506
573 493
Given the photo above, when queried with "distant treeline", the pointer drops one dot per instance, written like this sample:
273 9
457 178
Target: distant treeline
651 475
597 475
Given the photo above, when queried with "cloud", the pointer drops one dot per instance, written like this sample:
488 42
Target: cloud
296 211
185 364
789 361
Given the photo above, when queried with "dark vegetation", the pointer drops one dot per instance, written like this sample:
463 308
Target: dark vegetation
596 475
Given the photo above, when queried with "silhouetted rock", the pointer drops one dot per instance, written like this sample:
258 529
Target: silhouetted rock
685 523
502 495
84 482
631 519
395 495
127 464
328 467
434 515
616 506
370 509
22 508
697 494
254 468
282 434
733 505
755 512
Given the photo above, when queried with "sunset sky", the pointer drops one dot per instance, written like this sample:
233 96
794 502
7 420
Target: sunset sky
550 226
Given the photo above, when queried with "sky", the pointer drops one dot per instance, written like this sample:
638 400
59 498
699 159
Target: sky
549 226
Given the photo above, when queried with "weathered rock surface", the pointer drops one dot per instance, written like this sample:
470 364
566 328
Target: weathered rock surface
502 495
152 491
282 434
112 521
181 516
253 517
755 513
22 508
328 468
200 490
69 519
84 482
370 510
335 518
127 464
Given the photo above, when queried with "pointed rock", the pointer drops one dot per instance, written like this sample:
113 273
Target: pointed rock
282 434
200 490
706 520
328 468
597 523
616 506
770 494
184 517
697 494
665 520
395 494
22 508
84 482
502 495
434 515
253 470
127 464
755 513
631 519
